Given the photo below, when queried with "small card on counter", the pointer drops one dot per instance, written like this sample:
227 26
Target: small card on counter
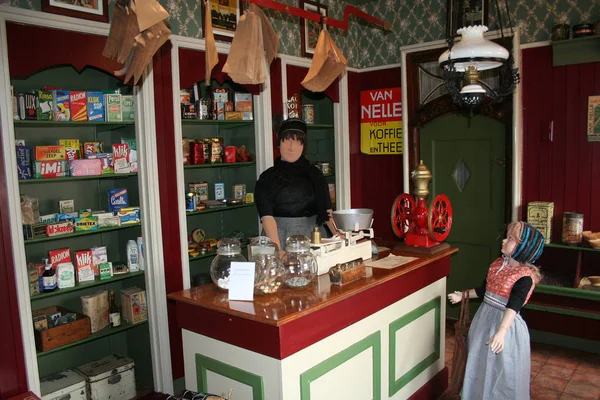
389 262
241 281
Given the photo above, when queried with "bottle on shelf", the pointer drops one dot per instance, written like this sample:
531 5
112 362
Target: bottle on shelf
114 316
48 277
132 256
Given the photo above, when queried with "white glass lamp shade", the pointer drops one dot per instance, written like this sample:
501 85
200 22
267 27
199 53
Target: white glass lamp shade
474 50
473 88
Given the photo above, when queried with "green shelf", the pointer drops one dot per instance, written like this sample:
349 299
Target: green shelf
212 122
570 247
221 165
86 285
108 331
36 123
320 126
75 234
219 209
76 178
568 292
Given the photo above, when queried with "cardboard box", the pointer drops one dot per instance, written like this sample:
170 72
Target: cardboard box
539 215
95 306
48 153
78 106
95 106
112 108
60 105
50 169
24 162
127 108
44 107
133 305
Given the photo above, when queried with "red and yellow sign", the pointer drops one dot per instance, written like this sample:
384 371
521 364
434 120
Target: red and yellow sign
381 121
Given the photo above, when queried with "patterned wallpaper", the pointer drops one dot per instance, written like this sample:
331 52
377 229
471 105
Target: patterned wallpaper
416 21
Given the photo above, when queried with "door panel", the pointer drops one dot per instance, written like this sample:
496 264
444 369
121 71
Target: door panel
466 158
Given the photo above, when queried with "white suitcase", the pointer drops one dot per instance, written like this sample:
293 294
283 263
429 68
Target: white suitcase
64 385
110 378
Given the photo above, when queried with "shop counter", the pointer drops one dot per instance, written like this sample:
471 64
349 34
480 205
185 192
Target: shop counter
381 337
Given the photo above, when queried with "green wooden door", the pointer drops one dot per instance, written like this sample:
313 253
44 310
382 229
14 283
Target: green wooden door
467 160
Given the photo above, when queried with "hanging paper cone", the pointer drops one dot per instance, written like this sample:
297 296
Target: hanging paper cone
118 26
128 39
328 63
246 61
149 13
148 44
212 57
270 38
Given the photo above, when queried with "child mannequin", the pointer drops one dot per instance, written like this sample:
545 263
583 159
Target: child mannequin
490 372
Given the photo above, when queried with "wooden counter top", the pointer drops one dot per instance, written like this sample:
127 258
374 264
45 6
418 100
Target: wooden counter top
288 305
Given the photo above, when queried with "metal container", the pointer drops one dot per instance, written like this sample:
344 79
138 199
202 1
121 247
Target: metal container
560 32
293 105
111 377
190 202
572 227
539 215
354 218
64 385
582 30
308 113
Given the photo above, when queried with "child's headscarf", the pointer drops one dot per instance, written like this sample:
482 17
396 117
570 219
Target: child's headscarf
530 243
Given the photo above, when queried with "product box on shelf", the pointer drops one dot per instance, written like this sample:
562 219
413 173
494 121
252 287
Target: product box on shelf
111 377
30 210
34 231
34 281
86 167
66 206
61 107
61 335
50 169
27 105
129 215
50 153
85 224
112 108
95 106
539 215
78 106
234 115
243 102
121 158
106 160
92 147
133 305
24 162
59 256
219 191
239 191
95 306
132 158
44 107
117 199
72 148
49 218
84 265
64 385
60 228
127 108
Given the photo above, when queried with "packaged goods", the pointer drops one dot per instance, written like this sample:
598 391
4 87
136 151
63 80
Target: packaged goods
48 153
117 199
95 306
132 157
48 218
34 231
132 256
92 147
61 107
234 115
66 206
220 95
72 148
65 273
44 107
86 167
78 106
95 105
239 191
30 210
85 224
243 102
106 271
15 107
50 169
27 105
121 158
106 159
85 265
540 215
141 256
129 215
230 152
133 305
34 281
197 152
24 160
219 191
127 108
112 105
59 256
186 151
99 255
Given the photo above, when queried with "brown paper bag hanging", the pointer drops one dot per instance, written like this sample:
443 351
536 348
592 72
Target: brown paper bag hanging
328 63
149 13
152 39
212 57
128 38
245 63
121 23
270 38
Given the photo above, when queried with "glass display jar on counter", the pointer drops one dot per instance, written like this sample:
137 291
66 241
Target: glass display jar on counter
268 272
299 263
228 250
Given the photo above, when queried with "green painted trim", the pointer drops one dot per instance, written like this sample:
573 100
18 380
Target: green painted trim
395 385
568 292
219 209
179 385
228 124
220 165
76 178
563 311
570 247
81 233
371 341
63 124
576 51
204 364
570 342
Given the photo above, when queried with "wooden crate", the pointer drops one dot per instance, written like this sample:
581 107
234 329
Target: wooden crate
52 338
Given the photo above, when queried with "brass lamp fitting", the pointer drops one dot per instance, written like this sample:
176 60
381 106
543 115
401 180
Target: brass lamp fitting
421 177
471 76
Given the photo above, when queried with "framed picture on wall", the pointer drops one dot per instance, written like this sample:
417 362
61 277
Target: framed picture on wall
593 121
95 10
310 30
225 15
465 13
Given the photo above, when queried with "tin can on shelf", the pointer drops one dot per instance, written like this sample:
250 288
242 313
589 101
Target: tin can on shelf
308 113
539 215
293 105
190 201
572 227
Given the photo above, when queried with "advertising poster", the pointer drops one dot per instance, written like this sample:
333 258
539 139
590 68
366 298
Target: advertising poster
381 121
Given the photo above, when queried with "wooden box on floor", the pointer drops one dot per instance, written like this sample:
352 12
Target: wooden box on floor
52 338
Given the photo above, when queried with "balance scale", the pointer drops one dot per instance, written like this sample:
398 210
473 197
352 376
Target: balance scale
337 250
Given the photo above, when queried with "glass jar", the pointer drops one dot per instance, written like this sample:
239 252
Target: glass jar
268 272
228 250
299 263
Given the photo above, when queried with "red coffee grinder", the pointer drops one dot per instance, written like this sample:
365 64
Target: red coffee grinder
414 222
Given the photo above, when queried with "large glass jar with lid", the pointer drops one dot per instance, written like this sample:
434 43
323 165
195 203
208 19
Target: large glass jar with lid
299 263
268 272
228 251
